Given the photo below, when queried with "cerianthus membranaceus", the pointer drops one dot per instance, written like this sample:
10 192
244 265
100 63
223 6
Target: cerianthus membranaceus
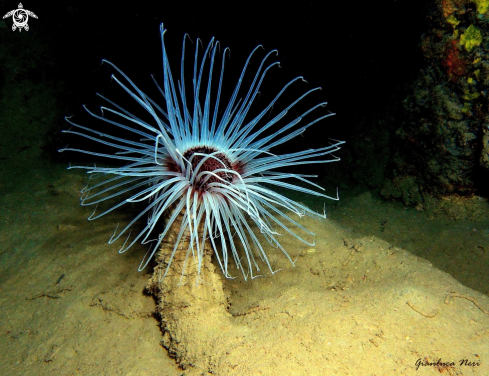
205 156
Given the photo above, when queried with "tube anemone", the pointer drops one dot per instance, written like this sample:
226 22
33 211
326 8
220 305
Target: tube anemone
207 162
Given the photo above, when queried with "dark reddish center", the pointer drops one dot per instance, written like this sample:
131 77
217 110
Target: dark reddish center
211 163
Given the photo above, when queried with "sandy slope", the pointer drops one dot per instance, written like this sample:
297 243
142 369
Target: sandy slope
355 304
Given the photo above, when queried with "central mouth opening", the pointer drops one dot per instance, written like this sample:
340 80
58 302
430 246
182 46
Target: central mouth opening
213 161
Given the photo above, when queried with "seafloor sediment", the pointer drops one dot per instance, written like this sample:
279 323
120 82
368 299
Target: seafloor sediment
371 297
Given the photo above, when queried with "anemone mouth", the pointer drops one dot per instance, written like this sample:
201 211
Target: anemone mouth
208 165
205 166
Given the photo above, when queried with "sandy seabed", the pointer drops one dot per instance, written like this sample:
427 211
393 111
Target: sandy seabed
383 288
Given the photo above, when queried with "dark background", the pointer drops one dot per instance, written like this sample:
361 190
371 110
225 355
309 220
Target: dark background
363 54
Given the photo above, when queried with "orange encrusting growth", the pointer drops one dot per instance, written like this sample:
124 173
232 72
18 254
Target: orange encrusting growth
453 64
